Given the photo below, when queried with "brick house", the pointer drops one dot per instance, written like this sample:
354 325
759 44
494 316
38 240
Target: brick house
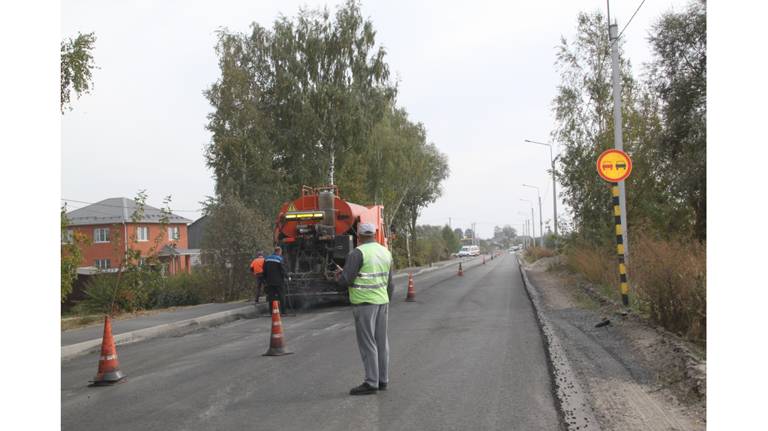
108 223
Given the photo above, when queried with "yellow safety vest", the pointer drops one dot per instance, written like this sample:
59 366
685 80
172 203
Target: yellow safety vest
370 285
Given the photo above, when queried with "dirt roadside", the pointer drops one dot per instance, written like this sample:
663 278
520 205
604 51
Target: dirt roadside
636 377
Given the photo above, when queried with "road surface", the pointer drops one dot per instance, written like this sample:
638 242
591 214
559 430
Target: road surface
466 355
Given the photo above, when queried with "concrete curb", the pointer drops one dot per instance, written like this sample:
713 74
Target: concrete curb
179 328
569 396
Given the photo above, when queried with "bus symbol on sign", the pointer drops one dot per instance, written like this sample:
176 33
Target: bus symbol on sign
614 165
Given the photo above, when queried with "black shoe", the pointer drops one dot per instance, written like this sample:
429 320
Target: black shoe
364 389
382 386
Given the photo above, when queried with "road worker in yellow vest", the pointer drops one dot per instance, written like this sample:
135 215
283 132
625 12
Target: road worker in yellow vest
368 275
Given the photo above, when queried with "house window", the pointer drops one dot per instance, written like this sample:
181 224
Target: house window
66 236
102 263
101 234
173 233
142 233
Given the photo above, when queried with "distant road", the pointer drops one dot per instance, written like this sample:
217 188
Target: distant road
467 355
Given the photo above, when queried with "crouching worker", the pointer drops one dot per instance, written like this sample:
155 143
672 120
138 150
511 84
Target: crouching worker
368 275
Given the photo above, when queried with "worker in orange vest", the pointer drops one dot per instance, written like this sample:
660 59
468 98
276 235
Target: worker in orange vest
257 269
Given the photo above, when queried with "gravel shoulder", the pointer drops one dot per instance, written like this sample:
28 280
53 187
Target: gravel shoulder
635 376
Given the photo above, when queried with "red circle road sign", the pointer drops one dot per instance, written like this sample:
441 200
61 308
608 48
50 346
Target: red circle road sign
614 165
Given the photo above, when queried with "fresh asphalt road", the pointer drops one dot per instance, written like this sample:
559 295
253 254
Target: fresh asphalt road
466 355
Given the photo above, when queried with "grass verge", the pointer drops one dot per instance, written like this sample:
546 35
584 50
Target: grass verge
667 280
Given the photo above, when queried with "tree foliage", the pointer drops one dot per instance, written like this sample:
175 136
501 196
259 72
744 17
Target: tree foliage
452 242
679 79
233 234
308 98
294 102
432 244
76 67
504 236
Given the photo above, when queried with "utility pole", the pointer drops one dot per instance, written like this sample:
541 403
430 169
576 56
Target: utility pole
613 30
541 225
541 219
554 185
524 229
533 222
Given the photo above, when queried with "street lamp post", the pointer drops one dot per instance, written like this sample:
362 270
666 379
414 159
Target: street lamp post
541 222
554 189
533 221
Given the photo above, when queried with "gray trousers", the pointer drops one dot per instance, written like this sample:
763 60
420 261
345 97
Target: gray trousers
371 330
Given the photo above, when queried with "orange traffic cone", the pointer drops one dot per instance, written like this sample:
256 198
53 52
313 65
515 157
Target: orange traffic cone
461 271
109 368
276 347
411 292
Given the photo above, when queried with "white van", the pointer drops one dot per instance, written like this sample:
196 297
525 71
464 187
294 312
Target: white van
469 250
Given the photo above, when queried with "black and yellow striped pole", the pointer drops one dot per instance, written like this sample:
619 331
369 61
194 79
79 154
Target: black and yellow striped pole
615 166
623 283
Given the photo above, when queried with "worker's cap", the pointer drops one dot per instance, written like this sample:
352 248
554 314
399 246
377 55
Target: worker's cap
366 229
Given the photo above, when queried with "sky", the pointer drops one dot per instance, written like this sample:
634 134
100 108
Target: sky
479 75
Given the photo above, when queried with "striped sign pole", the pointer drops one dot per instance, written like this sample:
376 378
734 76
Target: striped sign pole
615 166
623 283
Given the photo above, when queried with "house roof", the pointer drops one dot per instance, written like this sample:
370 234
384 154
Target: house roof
118 210
201 220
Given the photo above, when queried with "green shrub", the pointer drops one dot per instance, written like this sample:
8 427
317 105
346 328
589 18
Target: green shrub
99 295
113 293
181 289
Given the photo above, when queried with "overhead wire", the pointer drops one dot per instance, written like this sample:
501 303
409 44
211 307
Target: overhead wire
120 206
630 20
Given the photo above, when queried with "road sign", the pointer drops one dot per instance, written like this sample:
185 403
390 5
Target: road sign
614 165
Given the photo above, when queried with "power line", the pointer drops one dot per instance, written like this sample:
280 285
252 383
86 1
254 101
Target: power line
121 206
630 20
